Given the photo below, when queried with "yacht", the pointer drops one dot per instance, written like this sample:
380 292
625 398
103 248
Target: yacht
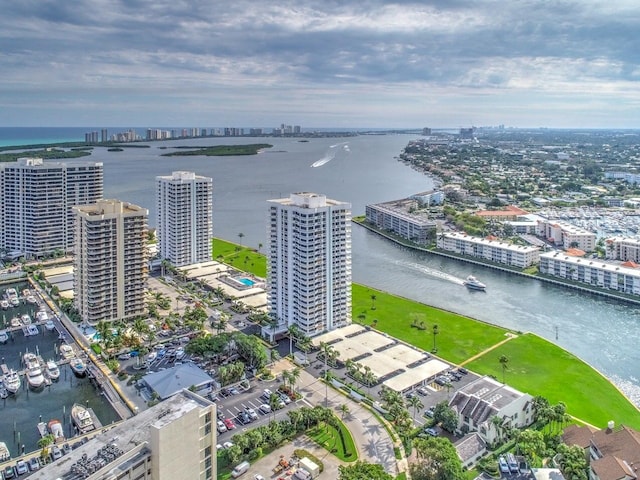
78 367
41 316
474 284
82 418
15 322
34 372
25 319
66 352
53 371
12 381
4 304
4 452
4 336
32 299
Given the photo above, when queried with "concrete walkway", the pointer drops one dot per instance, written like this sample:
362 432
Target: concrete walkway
510 336
371 438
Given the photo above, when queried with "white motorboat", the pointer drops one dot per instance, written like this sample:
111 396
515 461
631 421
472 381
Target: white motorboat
4 336
82 418
3 391
55 427
474 284
33 370
41 316
32 299
4 304
53 371
78 367
25 319
49 325
12 381
15 322
4 452
66 352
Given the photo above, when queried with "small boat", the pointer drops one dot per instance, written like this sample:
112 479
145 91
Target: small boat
15 322
30 330
50 326
12 381
4 336
26 292
4 304
78 367
42 429
66 352
25 319
42 316
55 427
53 371
474 284
15 301
82 418
35 378
4 393
4 452
32 299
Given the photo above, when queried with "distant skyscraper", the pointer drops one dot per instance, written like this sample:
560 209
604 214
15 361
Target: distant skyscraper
309 266
36 200
184 223
104 136
110 261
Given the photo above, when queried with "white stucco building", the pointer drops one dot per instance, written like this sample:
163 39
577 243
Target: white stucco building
110 261
478 402
35 203
184 218
566 235
173 439
309 263
493 250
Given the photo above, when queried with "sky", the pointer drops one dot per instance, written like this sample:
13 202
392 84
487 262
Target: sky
320 63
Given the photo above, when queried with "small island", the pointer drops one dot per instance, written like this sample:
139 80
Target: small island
219 150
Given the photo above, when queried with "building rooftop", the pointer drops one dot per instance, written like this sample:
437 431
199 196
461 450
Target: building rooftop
124 441
167 383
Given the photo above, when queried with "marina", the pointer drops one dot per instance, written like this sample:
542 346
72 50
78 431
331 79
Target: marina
25 408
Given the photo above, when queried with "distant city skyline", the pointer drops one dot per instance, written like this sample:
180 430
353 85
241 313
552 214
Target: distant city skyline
381 64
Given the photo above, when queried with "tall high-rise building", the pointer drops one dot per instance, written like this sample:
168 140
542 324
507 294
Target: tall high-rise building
309 266
35 203
173 439
110 262
184 223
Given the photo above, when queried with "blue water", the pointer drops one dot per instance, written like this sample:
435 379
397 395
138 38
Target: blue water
10 136
246 281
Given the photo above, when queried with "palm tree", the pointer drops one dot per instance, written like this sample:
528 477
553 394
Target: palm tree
294 332
274 403
241 236
286 377
504 360
294 376
435 332
344 410
259 247
275 355
373 301
326 351
44 443
416 403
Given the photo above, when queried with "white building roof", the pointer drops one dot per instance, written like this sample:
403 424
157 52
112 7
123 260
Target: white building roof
416 375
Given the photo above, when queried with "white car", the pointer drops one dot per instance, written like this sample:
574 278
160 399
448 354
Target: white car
56 453
264 408
227 444
21 467
221 427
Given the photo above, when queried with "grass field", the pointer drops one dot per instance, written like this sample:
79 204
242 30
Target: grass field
535 365
458 337
328 437
243 258
539 367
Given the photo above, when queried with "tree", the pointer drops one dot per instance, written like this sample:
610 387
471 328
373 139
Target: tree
435 332
294 376
373 301
241 236
437 460
416 404
531 444
294 333
446 416
326 351
44 443
344 410
504 360
363 471
259 247
573 463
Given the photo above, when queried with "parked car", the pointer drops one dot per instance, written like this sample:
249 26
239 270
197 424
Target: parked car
243 418
429 412
284 397
266 394
503 465
56 453
431 431
34 464
227 444
422 391
252 413
229 424
463 370
221 427
21 467
9 472
124 356
264 408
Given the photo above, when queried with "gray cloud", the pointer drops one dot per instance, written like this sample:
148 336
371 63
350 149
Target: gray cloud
323 53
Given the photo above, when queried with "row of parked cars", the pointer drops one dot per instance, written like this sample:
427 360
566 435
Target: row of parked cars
452 376
31 465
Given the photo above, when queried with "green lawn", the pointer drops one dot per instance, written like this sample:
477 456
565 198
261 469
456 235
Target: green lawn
328 437
243 258
539 367
458 339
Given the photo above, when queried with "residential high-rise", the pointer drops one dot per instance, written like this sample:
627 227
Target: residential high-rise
173 439
309 266
110 262
184 223
35 203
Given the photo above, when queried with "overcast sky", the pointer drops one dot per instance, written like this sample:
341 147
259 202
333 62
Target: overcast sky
320 63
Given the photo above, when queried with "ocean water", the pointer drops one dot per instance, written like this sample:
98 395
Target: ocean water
10 136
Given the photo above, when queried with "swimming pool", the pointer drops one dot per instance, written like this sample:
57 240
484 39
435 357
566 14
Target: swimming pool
246 281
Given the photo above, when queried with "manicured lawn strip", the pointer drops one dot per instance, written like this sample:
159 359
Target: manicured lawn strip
539 367
241 257
458 339
328 437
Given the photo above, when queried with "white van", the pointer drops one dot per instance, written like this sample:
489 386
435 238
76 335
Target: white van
240 469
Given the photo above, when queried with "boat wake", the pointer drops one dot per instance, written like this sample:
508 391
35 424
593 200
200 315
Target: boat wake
331 154
432 272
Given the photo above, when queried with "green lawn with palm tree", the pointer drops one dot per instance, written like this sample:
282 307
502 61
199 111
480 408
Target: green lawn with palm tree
336 440
241 257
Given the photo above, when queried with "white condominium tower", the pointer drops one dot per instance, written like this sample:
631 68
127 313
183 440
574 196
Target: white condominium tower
309 266
185 225
110 262
35 203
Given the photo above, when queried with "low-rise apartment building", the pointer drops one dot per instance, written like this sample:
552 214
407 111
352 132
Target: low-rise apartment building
493 250
625 249
404 218
622 277
566 235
